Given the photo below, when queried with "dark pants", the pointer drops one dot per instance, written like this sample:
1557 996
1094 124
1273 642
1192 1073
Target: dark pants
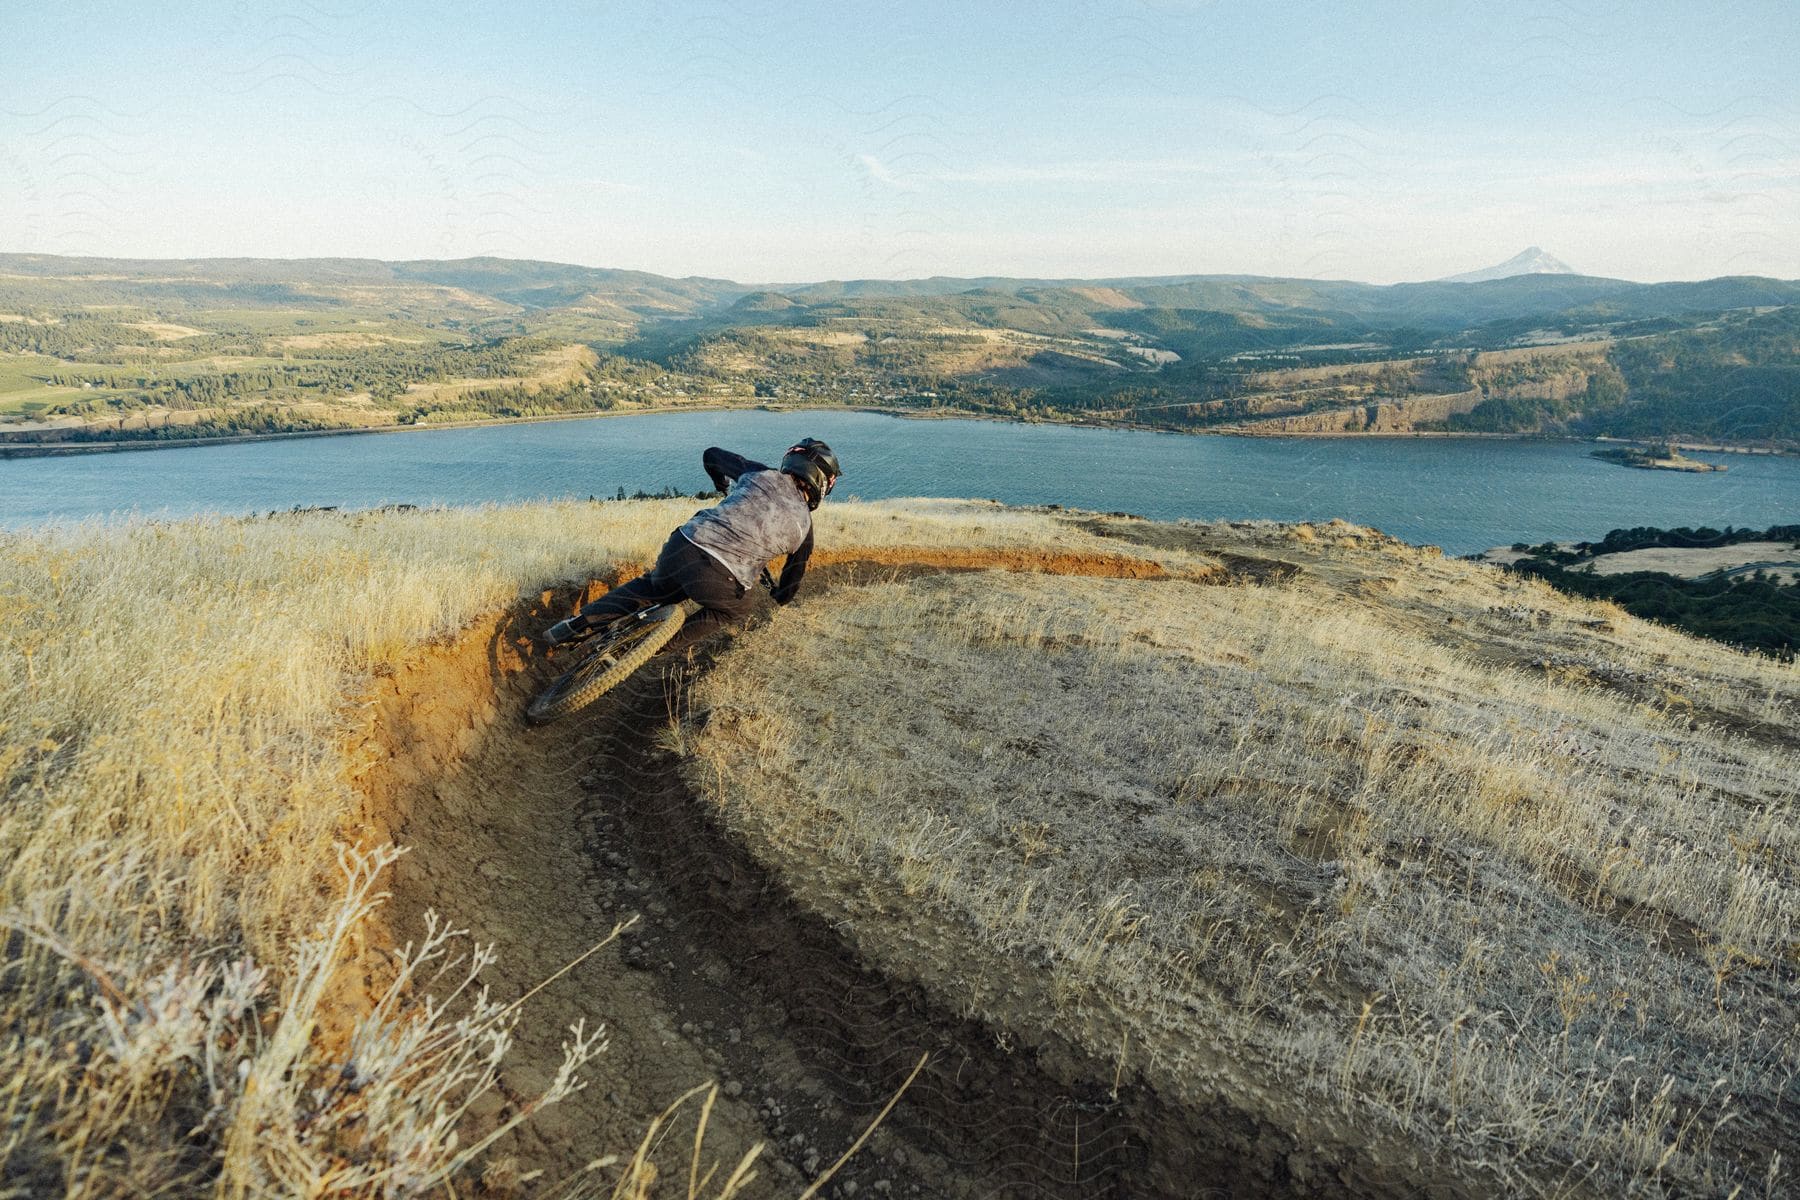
682 570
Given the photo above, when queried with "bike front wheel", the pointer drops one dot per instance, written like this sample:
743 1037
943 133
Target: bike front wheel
609 662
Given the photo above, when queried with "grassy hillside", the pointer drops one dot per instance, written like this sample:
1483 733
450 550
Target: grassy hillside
172 754
1430 877
105 349
1374 870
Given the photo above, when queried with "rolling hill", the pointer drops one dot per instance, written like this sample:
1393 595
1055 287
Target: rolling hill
105 349
1134 858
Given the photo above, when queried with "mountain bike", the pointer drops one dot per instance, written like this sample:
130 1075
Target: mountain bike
608 657
610 654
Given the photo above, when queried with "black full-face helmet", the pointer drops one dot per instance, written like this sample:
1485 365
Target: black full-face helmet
815 466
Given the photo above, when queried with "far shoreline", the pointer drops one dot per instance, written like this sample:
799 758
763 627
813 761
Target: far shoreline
18 450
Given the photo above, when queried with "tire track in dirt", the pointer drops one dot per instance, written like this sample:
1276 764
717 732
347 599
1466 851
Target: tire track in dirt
825 1042
539 840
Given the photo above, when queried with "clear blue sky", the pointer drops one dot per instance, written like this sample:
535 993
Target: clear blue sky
771 141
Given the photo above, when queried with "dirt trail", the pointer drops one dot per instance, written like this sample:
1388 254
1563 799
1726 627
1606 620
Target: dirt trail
494 813
1101 566
541 840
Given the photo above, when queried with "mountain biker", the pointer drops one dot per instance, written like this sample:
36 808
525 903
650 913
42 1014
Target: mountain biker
723 551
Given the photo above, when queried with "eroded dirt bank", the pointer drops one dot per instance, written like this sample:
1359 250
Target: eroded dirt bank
541 840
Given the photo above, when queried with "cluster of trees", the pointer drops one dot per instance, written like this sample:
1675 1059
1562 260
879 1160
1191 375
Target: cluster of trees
1731 403
1643 536
198 391
1512 414
384 373
895 366
510 401
1737 380
1754 611
249 419
1516 410
879 356
90 338
71 336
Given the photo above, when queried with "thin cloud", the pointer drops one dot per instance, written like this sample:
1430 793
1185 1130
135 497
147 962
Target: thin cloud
609 187
1089 171
878 170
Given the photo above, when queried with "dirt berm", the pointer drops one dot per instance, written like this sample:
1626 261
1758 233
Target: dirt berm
541 840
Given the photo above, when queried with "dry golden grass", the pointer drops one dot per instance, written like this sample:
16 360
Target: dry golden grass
1402 855
1693 563
844 530
174 899
170 766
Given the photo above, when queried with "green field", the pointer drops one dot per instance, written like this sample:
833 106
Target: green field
24 391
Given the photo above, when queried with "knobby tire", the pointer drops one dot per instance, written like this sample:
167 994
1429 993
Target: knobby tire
607 665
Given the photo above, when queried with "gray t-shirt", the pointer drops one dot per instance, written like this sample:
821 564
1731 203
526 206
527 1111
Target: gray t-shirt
763 517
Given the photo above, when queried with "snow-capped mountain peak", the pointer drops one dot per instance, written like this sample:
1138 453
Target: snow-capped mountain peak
1530 261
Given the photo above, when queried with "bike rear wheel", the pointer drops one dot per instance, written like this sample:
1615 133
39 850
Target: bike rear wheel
614 656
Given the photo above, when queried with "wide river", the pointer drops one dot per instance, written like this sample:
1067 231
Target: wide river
1463 495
